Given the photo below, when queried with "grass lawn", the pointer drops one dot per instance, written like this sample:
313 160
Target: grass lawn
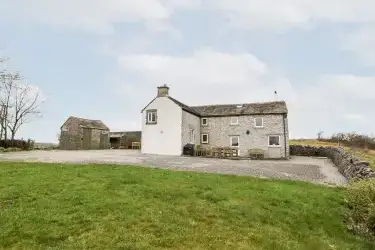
368 155
54 206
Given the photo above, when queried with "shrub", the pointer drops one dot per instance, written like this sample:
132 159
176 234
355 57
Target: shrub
22 144
361 204
2 149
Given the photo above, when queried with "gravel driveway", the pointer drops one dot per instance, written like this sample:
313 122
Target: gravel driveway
298 168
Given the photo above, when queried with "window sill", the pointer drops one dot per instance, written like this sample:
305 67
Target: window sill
234 124
204 142
258 126
151 123
274 146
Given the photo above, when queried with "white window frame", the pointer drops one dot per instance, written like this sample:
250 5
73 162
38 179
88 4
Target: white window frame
149 117
274 146
204 119
230 140
204 142
255 122
231 120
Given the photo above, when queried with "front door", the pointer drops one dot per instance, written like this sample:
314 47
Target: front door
86 140
103 141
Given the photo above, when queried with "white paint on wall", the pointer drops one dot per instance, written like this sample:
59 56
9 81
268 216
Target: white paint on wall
164 137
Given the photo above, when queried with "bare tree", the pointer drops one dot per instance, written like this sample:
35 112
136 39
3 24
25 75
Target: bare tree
23 106
320 135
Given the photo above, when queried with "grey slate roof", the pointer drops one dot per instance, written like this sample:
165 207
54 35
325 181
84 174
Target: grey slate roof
118 134
185 107
87 123
277 107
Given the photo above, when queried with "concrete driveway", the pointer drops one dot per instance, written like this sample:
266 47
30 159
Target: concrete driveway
298 168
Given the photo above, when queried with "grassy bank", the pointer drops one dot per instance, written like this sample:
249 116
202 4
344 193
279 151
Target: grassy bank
366 155
56 206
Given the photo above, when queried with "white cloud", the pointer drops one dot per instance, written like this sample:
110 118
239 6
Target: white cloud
281 14
211 77
101 16
91 15
361 43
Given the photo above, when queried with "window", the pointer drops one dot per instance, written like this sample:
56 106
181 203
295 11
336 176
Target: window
234 141
258 122
151 117
274 141
204 122
205 138
234 120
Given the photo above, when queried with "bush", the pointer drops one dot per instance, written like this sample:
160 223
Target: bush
21 144
6 150
2 149
361 203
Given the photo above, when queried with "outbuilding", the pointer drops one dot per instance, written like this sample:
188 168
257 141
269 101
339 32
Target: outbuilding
80 133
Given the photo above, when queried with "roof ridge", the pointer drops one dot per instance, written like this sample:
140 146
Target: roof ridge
235 104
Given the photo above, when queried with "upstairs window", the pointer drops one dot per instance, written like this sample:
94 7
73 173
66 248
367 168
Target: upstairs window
204 122
234 120
258 122
151 116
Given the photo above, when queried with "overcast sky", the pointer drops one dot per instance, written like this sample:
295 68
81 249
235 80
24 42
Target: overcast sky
104 59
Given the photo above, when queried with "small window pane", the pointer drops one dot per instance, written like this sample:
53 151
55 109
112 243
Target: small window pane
259 122
234 141
205 138
274 141
204 121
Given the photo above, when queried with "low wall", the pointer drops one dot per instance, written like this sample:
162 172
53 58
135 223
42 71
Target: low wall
348 164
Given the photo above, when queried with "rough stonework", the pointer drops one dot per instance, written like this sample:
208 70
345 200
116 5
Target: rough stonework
348 165
219 130
80 133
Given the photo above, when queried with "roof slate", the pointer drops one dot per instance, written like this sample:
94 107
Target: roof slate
87 123
275 107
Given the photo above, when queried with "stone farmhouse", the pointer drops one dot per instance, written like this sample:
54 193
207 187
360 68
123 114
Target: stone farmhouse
168 125
79 133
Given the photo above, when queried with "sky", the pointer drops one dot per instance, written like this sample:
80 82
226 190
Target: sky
104 59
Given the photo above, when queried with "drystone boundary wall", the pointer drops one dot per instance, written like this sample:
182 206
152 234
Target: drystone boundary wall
348 164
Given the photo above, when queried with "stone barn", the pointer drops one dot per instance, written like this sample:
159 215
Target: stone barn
124 139
79 133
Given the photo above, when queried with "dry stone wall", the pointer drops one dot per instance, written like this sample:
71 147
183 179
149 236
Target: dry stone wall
348 165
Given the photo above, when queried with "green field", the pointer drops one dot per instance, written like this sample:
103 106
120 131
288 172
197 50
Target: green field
54 206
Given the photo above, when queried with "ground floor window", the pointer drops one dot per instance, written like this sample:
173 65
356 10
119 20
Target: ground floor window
234 141
274 141
205 138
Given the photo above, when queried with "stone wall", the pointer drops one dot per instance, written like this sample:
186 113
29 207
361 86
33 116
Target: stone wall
348 164
190 122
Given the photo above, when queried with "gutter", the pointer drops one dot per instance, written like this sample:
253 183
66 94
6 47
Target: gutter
284 116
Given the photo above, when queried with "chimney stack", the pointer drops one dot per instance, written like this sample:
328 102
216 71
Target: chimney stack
163 91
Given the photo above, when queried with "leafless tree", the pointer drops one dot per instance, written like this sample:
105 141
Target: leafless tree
320 135
24 106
